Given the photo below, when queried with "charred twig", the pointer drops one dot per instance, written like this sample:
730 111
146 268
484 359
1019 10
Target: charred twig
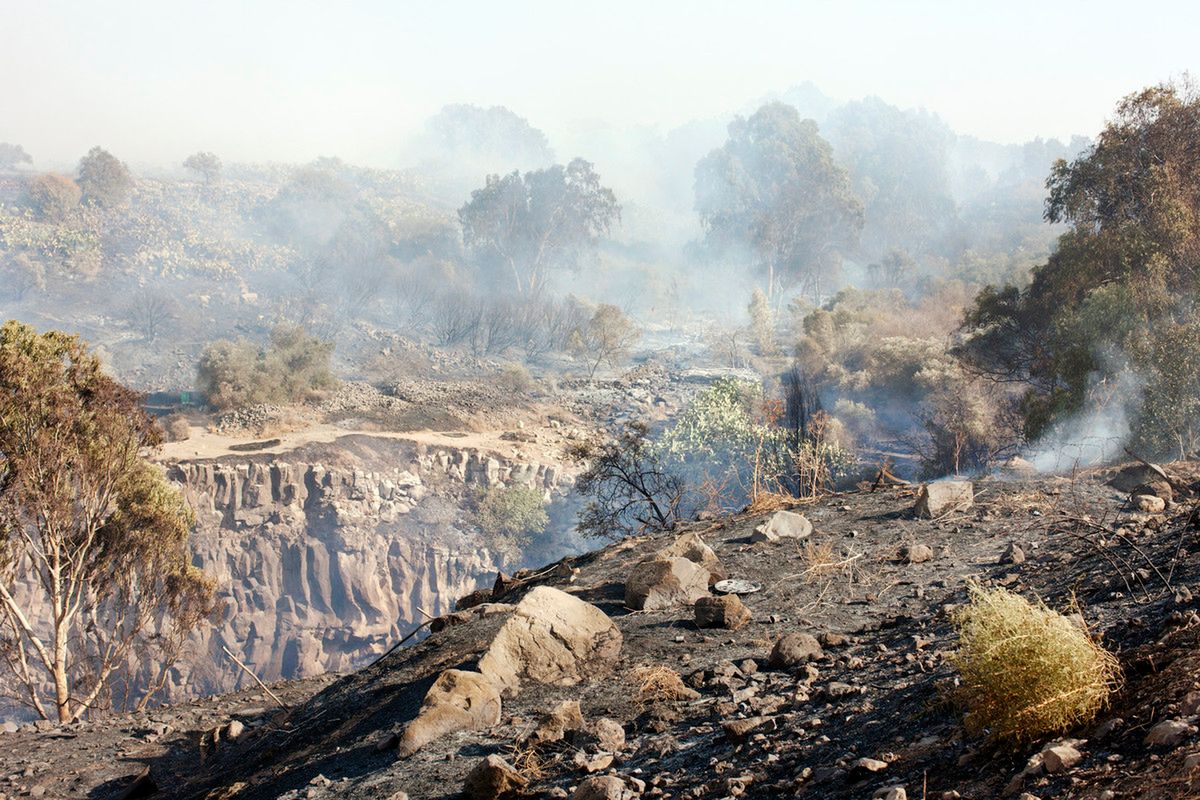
261 685
1133 545
396 646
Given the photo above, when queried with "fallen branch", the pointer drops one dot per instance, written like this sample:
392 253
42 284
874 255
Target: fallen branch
261 685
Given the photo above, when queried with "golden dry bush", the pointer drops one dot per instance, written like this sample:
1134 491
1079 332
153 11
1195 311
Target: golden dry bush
1028 672
660 684
819 559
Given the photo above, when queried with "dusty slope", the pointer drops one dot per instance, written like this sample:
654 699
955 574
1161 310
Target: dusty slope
879 693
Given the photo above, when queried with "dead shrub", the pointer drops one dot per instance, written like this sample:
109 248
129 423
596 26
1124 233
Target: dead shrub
819 559
177 428
1028 672
660 684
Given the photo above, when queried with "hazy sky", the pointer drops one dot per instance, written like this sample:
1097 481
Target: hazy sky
249 79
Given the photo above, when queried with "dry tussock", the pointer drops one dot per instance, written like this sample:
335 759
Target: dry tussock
765 502
819 559
660 684
527 761
1028 672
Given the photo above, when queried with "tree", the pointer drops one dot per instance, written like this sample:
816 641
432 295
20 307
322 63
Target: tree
629 490
762 323
492 135
11 155
52 196
20 275
105 181
898 163
509 517
291 367
775 189
1121 280
523 226
94 568
607 337
206 165
150 309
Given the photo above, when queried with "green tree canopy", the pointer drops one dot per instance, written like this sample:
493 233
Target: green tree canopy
774 189
95 574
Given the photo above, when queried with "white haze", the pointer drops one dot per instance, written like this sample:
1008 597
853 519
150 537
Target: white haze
289 81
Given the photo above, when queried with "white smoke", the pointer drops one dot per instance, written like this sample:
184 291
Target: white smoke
1098 433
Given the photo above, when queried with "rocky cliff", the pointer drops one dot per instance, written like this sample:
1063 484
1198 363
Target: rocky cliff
327 555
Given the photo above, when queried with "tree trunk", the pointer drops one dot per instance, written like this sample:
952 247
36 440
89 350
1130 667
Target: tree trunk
62 690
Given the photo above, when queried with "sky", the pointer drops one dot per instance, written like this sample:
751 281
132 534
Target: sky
288 81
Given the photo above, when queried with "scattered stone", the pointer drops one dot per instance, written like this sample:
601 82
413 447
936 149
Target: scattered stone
1013 554
723 611
1149 503
793 650
662 583
1168 733
457 701
869 765
693 548
891 793
782 525
917 553
492 778
603 787
592 764
609 733
1059 758
1191 761
552 637
234 729
564 717
942 497
738 728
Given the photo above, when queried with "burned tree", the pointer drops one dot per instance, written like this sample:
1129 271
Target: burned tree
630 491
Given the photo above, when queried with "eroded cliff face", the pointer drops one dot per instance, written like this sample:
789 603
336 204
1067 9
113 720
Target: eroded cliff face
327 555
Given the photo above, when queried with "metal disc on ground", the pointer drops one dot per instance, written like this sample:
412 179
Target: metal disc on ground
737 586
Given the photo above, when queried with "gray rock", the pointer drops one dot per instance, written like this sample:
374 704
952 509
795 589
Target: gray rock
942 497
1169 733
782 525
661 583
793 650
723 611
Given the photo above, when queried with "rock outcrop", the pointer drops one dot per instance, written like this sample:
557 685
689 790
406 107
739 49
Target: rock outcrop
326 556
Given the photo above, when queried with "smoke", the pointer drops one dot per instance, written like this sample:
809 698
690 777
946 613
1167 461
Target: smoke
1098 433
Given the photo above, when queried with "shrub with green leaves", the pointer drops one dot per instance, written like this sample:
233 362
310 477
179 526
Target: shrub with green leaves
509 517
293 365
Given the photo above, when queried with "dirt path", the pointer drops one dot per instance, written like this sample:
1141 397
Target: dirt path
204 444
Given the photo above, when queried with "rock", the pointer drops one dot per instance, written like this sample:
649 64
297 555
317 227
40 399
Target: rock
661 583
738 728
610 736
552 637
234 729
457 701
869 765
1191 761
1168 733
783 525
592 764
1013 554
942 497
564 717
916 553
724 611
1060 758
492 778
1149 503
793 650
603 787
891 793
693 548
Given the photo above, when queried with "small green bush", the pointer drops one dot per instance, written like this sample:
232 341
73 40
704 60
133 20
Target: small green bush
510 517
293 366
1028 672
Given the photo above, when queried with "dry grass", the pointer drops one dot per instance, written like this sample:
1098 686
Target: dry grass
660 684
765 502
527 761
819 559
1028 672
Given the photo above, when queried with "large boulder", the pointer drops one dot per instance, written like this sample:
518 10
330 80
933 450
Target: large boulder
693 548
783 525
942 497
551 637
457 701
659 583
